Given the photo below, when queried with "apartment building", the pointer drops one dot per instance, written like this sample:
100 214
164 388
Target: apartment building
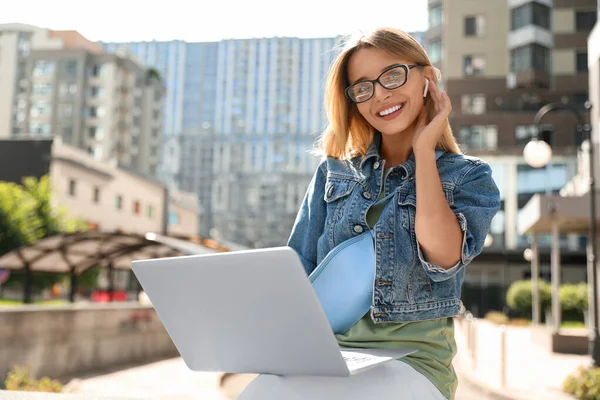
60 84
241 116
501 61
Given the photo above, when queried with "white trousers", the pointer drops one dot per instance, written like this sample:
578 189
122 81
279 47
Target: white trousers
394 380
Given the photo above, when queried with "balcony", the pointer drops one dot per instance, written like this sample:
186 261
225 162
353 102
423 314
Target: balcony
531 79
530 34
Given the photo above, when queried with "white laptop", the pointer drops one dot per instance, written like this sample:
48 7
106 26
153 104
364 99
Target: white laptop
251 311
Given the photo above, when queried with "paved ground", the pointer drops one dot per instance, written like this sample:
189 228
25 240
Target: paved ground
532 371
468 392
170 379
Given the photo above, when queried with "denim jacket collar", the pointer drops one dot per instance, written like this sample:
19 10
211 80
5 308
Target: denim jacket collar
408 165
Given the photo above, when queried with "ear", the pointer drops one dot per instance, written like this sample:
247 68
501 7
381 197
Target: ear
426 87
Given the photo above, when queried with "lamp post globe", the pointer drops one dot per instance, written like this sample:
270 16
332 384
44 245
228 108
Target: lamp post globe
537 153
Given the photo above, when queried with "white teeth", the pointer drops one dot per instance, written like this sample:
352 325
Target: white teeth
390 110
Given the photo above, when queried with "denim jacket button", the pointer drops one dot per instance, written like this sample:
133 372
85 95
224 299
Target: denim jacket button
376 165
367 195
358 228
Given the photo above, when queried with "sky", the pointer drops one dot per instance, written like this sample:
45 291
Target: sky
213 20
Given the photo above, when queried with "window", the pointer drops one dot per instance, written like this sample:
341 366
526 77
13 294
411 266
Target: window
97 152
40 108
68 89
96 91
475 25
96 112
96 132
65 110
435 51
530 14
585 20
43 68
524 133
530 57
435 16
136 207
37 128
479 137
173 218
71 68
473 65
118 202
24 45
41 88
473 104
96 195
72 187
582 62
95 70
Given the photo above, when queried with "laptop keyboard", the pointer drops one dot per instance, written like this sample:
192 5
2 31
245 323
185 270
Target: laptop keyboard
357 360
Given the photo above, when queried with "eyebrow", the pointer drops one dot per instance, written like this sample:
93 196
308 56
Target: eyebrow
382 69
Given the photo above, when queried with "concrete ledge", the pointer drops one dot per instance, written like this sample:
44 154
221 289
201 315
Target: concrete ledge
74 339
13 395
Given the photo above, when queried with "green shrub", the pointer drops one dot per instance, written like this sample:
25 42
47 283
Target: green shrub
573 301
518 296
19 378
584 383
497 317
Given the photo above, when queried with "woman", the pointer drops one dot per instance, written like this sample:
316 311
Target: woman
392 165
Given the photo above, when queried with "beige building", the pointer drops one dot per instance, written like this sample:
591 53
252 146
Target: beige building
184 209
501 61
61 84
116 198
107 196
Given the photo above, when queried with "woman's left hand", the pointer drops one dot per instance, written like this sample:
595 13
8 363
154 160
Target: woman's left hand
426 134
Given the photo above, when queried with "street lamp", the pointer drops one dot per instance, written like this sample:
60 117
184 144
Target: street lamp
537 153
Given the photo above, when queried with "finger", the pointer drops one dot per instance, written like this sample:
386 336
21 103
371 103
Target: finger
435 95
447 105
422 118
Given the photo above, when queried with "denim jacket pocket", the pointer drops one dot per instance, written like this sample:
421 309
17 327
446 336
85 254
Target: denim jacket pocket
448 189
337 191
336 188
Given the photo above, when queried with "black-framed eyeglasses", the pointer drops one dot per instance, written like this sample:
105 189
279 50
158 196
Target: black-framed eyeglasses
391 78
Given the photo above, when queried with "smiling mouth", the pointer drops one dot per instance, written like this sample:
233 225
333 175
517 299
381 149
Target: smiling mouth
391 112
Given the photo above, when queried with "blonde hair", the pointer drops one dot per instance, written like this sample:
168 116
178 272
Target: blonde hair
348 134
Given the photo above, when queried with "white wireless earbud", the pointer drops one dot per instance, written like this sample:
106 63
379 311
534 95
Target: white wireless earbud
426 87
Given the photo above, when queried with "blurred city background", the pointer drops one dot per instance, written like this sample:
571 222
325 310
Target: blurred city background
181 137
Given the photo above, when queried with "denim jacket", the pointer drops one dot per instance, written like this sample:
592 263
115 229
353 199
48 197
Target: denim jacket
406 287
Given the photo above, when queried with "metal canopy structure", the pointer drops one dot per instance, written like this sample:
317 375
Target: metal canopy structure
74 253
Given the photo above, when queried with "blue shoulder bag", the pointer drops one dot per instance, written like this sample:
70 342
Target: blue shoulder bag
344 281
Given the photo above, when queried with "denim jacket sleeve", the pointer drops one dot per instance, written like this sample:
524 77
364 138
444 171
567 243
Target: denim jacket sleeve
310 220
476 201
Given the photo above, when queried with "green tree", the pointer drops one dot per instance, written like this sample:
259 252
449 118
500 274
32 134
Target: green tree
153 73
53 220
26 216
19 223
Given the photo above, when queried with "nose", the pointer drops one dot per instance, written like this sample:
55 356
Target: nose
381 93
